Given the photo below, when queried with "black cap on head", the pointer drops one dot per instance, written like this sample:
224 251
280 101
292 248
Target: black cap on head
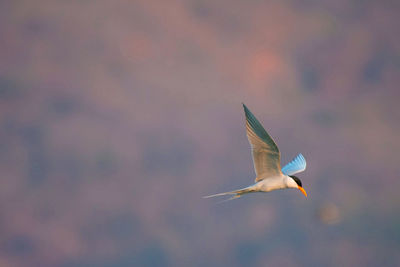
296 179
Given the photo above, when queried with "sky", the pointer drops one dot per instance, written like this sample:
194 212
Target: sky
117 117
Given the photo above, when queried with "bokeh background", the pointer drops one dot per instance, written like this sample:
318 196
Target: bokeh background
116 117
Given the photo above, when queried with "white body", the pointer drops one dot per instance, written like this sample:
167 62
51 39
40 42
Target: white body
275 183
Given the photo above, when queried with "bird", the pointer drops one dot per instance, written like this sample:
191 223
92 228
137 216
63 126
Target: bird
266 161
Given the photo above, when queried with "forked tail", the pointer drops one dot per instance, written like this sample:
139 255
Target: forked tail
237 193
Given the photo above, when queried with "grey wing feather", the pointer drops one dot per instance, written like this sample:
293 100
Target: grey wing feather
266 155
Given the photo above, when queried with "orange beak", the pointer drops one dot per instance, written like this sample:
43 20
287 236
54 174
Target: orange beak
302 190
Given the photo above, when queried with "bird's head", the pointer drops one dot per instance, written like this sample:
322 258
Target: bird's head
298 184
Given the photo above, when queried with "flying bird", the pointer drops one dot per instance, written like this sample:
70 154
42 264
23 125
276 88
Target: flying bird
266 160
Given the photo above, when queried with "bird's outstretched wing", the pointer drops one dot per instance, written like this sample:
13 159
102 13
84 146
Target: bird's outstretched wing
298 164
266 155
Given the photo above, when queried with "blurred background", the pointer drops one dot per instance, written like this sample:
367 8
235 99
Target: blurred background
116 117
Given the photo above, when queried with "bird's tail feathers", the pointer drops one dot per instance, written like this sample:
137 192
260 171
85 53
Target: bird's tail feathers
220 194
237 193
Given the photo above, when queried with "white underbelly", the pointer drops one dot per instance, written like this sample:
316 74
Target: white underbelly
272 183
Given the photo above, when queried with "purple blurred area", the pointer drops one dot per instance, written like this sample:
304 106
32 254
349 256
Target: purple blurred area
116 117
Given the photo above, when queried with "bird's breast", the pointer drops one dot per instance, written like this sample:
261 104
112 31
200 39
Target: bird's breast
272 183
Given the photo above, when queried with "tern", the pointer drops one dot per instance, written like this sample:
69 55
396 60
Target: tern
266 160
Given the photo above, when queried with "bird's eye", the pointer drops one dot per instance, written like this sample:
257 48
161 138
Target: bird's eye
297 180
